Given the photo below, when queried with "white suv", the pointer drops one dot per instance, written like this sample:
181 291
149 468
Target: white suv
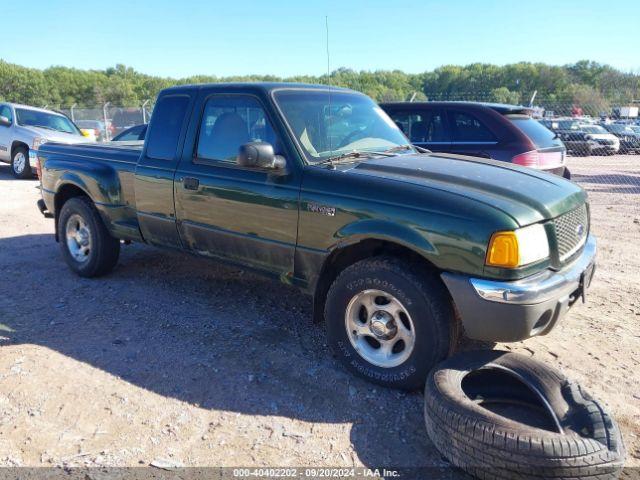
23 129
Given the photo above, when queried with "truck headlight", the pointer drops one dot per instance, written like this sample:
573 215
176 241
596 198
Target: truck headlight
516 248
38 142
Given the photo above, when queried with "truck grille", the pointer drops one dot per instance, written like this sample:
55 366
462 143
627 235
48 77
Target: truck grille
571 230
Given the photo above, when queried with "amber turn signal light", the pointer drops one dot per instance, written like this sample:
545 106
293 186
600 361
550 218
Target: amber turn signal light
503 250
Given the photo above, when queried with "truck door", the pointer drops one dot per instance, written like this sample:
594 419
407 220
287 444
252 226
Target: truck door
233 212
156 169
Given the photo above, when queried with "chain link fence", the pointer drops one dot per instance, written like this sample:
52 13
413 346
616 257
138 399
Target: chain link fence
602 138
108 120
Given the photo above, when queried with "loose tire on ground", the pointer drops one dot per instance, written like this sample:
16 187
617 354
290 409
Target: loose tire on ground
20 166
87 246
580 439
426 316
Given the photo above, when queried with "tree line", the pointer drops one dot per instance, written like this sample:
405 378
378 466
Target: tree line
585 83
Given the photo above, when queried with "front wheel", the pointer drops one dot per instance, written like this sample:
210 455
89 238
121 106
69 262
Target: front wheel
390 322
20 166
87 246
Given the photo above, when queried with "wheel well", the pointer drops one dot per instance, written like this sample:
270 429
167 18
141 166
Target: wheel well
15 145
341 258
65 193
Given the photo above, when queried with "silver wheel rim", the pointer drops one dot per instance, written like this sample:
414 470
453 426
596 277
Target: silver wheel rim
78 238
380 328
19 162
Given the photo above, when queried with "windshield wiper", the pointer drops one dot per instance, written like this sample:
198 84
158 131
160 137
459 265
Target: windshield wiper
407 146
399 148
354 154
44 126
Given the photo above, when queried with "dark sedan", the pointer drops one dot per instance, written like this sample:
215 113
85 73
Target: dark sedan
502 132
132 134
629 137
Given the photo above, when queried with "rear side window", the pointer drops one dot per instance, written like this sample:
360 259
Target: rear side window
467 128
168 118
540 135
421 127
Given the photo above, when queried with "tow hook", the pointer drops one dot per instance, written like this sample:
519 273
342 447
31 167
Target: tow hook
43 209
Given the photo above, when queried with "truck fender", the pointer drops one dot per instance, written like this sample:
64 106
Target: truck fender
99 182
374 229
362 231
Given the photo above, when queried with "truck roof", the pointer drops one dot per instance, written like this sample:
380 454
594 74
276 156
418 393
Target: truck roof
262 86
29 107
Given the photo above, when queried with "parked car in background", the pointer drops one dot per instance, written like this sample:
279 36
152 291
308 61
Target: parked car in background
96 126
317 187
577 142
502 132
603 142
123 119
628 137
582 139
135 133
24 129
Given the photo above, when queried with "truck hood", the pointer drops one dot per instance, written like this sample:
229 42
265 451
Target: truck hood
54 136
527 195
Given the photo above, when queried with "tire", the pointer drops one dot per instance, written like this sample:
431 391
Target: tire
427 321
566 174
92 251
492 446
20 166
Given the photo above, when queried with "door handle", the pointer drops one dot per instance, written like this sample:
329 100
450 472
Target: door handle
191 183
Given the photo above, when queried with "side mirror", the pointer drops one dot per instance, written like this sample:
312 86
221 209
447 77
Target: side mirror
259 155
5 122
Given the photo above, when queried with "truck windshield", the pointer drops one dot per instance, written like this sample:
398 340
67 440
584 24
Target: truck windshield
331 123
50 121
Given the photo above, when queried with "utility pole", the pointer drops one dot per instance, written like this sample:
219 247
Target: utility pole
73 118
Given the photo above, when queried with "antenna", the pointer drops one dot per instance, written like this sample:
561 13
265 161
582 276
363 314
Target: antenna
326 24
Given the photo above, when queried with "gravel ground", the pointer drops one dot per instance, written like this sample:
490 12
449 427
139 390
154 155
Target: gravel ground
176 359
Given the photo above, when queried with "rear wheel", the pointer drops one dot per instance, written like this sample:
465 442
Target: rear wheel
389 322
87 246
20 163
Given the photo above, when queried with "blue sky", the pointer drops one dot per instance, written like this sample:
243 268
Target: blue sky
283 37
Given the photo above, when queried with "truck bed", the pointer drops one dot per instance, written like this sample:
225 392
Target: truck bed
127 152
114 163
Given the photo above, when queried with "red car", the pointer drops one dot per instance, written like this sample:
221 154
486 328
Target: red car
501 132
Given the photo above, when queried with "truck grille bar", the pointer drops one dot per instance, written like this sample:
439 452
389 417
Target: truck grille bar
571 231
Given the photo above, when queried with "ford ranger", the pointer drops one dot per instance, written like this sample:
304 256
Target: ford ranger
401 248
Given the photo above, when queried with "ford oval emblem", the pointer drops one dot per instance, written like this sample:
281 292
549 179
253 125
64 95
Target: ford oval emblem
580 229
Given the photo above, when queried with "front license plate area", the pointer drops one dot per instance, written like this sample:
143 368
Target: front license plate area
585 282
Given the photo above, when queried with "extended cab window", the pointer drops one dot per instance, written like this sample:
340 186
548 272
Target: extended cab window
229 122
467 128
164 132
422 127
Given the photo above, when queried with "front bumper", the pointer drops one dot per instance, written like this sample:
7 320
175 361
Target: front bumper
511 311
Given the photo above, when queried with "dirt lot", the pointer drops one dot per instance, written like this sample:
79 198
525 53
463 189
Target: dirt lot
174 358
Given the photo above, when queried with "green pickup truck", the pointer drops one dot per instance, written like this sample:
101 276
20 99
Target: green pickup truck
402 249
